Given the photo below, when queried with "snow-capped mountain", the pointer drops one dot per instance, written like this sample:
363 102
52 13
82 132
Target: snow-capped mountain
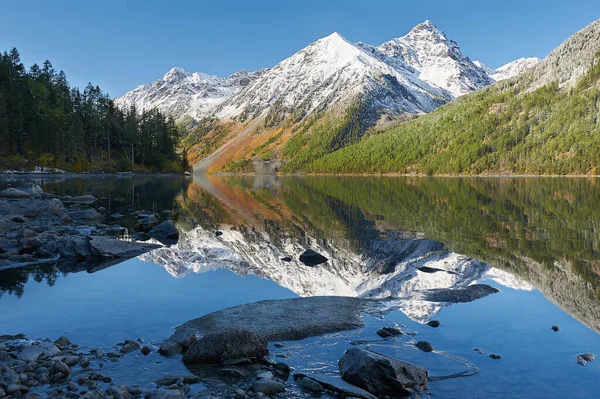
180 93
328 73
428 54
511 69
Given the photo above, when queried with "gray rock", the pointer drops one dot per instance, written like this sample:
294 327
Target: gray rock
165 231
13 193
495 356
60 367
63 342
434 323
338 385
183 337
85 362
287 319
32 189
388 332
73 247
116 216
130 346
584 358
169 348
310 385
165 394
84 199
86 215
265 375
2 393
424 346
49 349
231 344
312 258
30 353
469 294
8 377
381 375
268 387
146 350
110 247
282 370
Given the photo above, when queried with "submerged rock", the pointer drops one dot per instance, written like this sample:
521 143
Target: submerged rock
228 345
312 258
13 193
381 375
555 328
434 323
469 294
584 358
495 356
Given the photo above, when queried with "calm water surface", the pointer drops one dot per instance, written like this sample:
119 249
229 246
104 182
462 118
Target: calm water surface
537 240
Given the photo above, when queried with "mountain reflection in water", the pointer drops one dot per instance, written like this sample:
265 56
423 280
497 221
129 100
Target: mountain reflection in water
388 238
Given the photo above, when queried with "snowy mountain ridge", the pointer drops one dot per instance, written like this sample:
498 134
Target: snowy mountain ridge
415 73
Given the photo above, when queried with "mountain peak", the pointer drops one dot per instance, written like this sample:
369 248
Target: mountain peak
176 73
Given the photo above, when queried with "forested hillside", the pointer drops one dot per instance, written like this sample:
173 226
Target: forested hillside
48 124
542 122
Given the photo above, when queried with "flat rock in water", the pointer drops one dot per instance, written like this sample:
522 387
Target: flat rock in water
84 199
338 385
112 248
312 258
469 294
584 358
381 375
287 319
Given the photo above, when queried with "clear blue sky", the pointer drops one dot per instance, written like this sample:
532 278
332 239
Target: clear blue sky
122 44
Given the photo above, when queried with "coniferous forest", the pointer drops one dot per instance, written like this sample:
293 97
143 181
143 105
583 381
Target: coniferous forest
47 124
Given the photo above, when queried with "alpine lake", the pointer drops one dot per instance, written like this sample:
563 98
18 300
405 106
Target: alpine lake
393 239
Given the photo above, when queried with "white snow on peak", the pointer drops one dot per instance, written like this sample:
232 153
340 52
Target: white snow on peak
514 68
179 92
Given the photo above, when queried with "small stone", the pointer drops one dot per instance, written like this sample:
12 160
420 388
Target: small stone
310 385
584 358
85 362
218 233
278 345
116 216
129 346
59 367
495 356
63 342
282 370
424 346
387 332
146 350
478 350
67 219
30 353
169 348
268 387
266 375
434 323
555 328
312 258
287 259
113 355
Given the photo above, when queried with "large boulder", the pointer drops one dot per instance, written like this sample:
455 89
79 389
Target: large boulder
165 231
228 345
469 294
86 215
32 189
109 247
381 375
14 193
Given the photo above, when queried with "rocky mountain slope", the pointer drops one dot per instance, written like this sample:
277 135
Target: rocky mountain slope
543 121
181 93
511 69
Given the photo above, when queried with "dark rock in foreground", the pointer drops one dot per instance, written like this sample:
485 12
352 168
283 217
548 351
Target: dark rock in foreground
165 231
337 385
286 319
381 375
224 346
469 294
312 258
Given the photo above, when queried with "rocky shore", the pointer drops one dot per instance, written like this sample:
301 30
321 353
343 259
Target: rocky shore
38 228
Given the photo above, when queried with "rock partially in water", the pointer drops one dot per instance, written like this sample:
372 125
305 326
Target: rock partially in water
287 319
84 199
584 358
434 323
169 348
183 337
32 189
287 259
165 231
129 346
388 332
381 375
337 385
30 353
312 258
310 385
555 328
268 387
110 247
424 346
227 345
495 356
13 193
469 294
